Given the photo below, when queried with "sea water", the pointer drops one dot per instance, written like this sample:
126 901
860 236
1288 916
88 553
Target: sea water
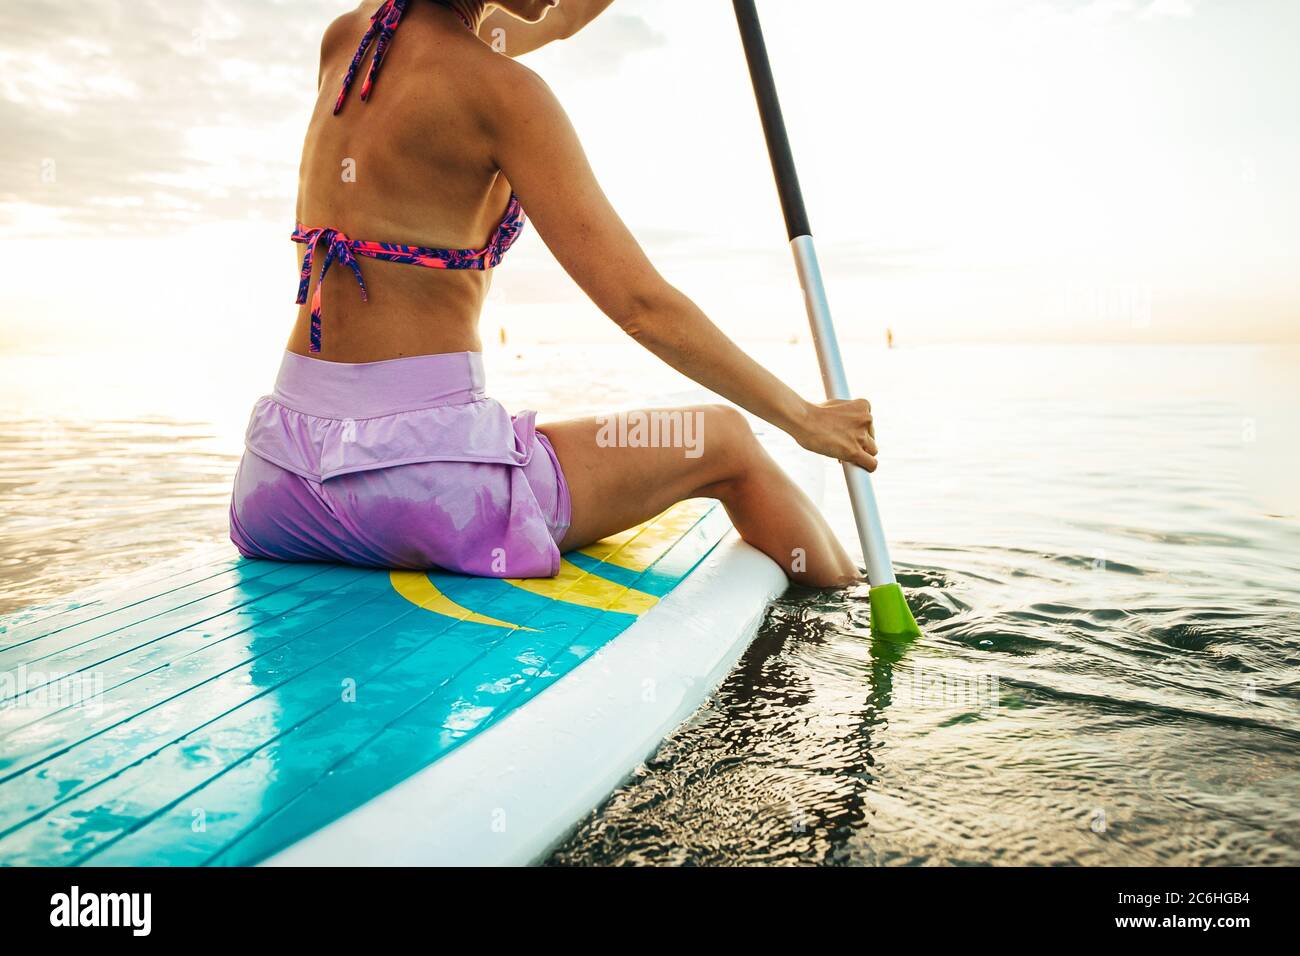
1101 546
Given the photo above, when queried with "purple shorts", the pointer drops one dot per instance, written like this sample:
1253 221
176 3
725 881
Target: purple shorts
398 464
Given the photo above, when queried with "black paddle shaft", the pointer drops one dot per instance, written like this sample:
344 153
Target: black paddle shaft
769 110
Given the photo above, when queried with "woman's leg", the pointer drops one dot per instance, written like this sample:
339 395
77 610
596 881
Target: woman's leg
613 487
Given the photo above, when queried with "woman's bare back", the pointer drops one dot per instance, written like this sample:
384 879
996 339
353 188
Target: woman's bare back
410 165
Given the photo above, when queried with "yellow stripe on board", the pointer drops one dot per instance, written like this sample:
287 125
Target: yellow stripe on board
635 550
416 587
573 585
638 548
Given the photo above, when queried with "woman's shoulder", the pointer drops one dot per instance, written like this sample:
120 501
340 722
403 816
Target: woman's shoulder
491 84
343 33
513 91
344 30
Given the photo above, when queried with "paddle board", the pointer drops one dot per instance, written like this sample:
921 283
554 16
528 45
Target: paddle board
235 712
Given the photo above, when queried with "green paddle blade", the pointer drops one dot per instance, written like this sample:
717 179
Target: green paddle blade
890 615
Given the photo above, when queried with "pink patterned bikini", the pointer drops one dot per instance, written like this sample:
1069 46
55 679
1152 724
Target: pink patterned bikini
402 463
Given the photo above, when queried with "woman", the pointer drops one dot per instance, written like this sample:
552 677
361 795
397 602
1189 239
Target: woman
379 445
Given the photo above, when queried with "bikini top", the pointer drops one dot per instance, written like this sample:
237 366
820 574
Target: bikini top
341 248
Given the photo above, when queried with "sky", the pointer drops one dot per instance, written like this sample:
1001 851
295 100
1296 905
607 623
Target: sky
1119 171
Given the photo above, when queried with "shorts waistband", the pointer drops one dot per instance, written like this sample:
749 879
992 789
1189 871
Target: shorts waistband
371 389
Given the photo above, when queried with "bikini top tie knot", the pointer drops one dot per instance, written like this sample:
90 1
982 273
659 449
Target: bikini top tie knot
338 248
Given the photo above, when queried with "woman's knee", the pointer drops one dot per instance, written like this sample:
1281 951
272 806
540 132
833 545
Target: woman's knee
728 440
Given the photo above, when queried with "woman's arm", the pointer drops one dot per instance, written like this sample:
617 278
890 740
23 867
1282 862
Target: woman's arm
515 37
539 153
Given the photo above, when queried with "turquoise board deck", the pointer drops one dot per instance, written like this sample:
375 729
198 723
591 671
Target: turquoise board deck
224 712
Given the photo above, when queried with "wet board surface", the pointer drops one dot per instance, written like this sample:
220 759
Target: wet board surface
227 710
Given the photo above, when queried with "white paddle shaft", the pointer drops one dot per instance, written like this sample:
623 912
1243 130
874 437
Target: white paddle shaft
866 513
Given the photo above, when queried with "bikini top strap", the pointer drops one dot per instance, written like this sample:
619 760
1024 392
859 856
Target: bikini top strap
383 24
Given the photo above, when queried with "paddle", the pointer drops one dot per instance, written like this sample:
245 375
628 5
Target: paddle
890 615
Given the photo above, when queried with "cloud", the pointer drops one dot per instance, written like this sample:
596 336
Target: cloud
149 115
